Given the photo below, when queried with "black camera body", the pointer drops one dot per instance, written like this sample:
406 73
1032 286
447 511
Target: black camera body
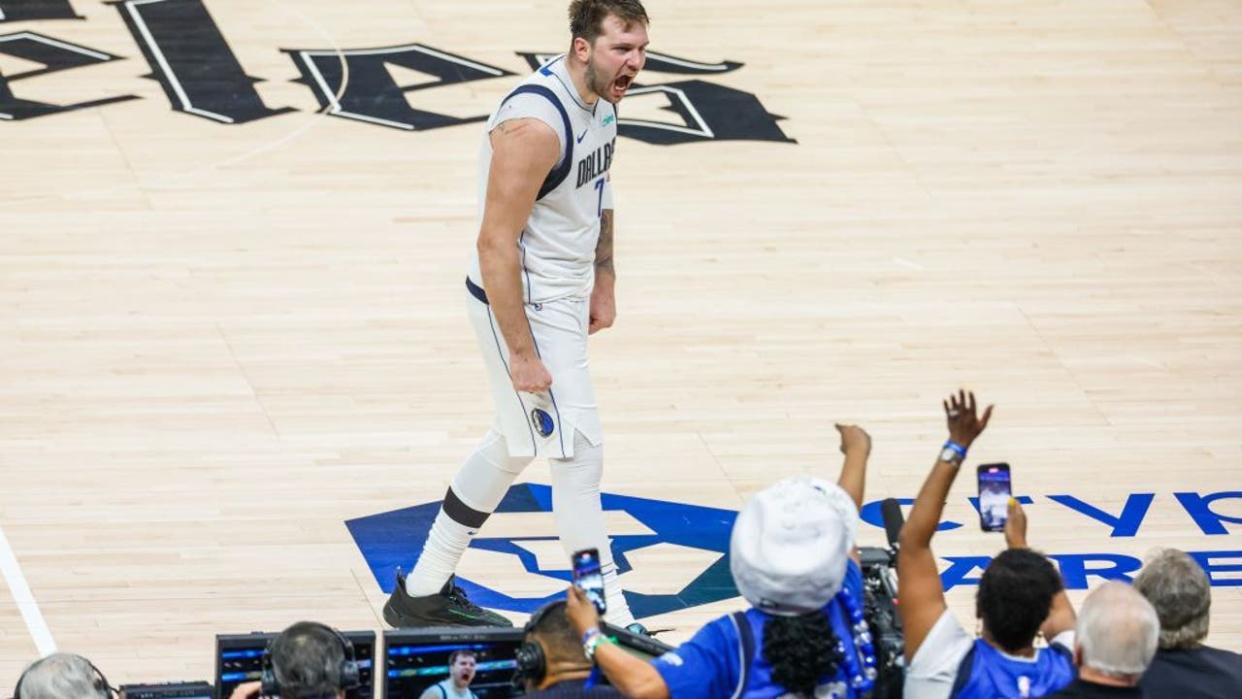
879 573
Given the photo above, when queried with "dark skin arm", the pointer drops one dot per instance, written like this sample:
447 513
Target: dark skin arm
922 595
1061 616
856 446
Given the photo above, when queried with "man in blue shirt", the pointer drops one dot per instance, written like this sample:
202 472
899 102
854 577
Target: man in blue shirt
792 556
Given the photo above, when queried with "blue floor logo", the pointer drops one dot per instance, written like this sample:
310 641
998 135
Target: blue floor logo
395 539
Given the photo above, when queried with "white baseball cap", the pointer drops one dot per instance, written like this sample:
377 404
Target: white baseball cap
791 543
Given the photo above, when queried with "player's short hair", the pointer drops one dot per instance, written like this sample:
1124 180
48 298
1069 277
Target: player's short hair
586 17
461 653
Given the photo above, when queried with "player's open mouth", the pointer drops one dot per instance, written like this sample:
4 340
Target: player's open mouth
621 84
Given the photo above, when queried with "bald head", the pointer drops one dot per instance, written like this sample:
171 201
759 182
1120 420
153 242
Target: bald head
1117 632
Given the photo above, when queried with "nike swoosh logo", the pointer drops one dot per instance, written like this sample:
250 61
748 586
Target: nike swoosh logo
584 133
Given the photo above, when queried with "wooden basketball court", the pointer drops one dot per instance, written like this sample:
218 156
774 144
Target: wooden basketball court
233 314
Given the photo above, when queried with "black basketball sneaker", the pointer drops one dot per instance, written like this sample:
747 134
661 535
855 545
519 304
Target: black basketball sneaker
448 607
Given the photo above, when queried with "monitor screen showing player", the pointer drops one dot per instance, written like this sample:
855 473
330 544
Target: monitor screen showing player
445 662
239 658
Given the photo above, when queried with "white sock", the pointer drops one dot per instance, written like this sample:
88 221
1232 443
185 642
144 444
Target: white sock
478 487
580 518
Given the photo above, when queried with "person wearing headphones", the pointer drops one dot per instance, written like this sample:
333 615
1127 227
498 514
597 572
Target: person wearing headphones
62 676
551 661
308 660
792 556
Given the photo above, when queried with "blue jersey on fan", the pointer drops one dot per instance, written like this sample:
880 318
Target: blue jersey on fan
987 673
716 662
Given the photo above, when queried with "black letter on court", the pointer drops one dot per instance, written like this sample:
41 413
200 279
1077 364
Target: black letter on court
372 94
16 10
704 111
193 62
55 55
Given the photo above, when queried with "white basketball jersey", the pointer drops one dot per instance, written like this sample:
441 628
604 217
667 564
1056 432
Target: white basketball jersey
557 244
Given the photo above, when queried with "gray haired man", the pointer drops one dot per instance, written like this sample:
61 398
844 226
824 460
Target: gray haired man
62 676
1179 589
1117 630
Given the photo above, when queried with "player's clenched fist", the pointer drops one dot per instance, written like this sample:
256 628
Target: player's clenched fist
529 374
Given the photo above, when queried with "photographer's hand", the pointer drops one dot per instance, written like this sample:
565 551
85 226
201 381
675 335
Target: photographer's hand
247 690
581 612
632 677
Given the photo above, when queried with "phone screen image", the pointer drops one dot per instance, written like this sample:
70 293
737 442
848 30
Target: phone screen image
995 489
589 578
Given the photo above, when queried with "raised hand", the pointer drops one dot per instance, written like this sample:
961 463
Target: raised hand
580 611
854 439
1015 526
965 425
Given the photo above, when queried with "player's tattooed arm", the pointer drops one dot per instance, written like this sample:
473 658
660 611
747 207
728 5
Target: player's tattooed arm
603 311
603 248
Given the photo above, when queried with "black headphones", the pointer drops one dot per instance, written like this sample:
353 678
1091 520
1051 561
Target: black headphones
349 674
531 663
106 691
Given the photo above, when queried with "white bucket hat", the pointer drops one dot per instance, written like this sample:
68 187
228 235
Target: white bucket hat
790 545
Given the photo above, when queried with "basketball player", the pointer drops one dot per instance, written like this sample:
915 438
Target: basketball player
540 282
461 664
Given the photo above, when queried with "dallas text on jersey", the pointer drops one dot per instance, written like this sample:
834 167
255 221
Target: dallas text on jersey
596 163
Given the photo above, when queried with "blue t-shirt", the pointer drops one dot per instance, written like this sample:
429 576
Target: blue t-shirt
710 664
987 673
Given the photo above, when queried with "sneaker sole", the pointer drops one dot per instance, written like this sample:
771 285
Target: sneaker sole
398 620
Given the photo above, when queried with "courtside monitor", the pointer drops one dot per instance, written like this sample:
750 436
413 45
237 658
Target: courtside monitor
239 658
478 659
168 690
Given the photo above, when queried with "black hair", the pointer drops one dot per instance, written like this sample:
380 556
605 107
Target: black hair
558 635
586 17
802 650
1015 594
307 659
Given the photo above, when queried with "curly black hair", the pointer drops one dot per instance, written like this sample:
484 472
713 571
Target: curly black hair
1015 594
802 650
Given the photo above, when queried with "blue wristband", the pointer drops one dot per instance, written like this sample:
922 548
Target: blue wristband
957 448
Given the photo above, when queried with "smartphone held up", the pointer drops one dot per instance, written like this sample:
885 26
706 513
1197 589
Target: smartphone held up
589 578
995 489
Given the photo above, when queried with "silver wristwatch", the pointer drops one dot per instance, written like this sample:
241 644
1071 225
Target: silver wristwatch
951 456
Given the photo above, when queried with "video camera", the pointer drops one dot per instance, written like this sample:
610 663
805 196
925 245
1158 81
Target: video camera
879 572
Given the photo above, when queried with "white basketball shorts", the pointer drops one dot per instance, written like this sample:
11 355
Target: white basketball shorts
541 424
